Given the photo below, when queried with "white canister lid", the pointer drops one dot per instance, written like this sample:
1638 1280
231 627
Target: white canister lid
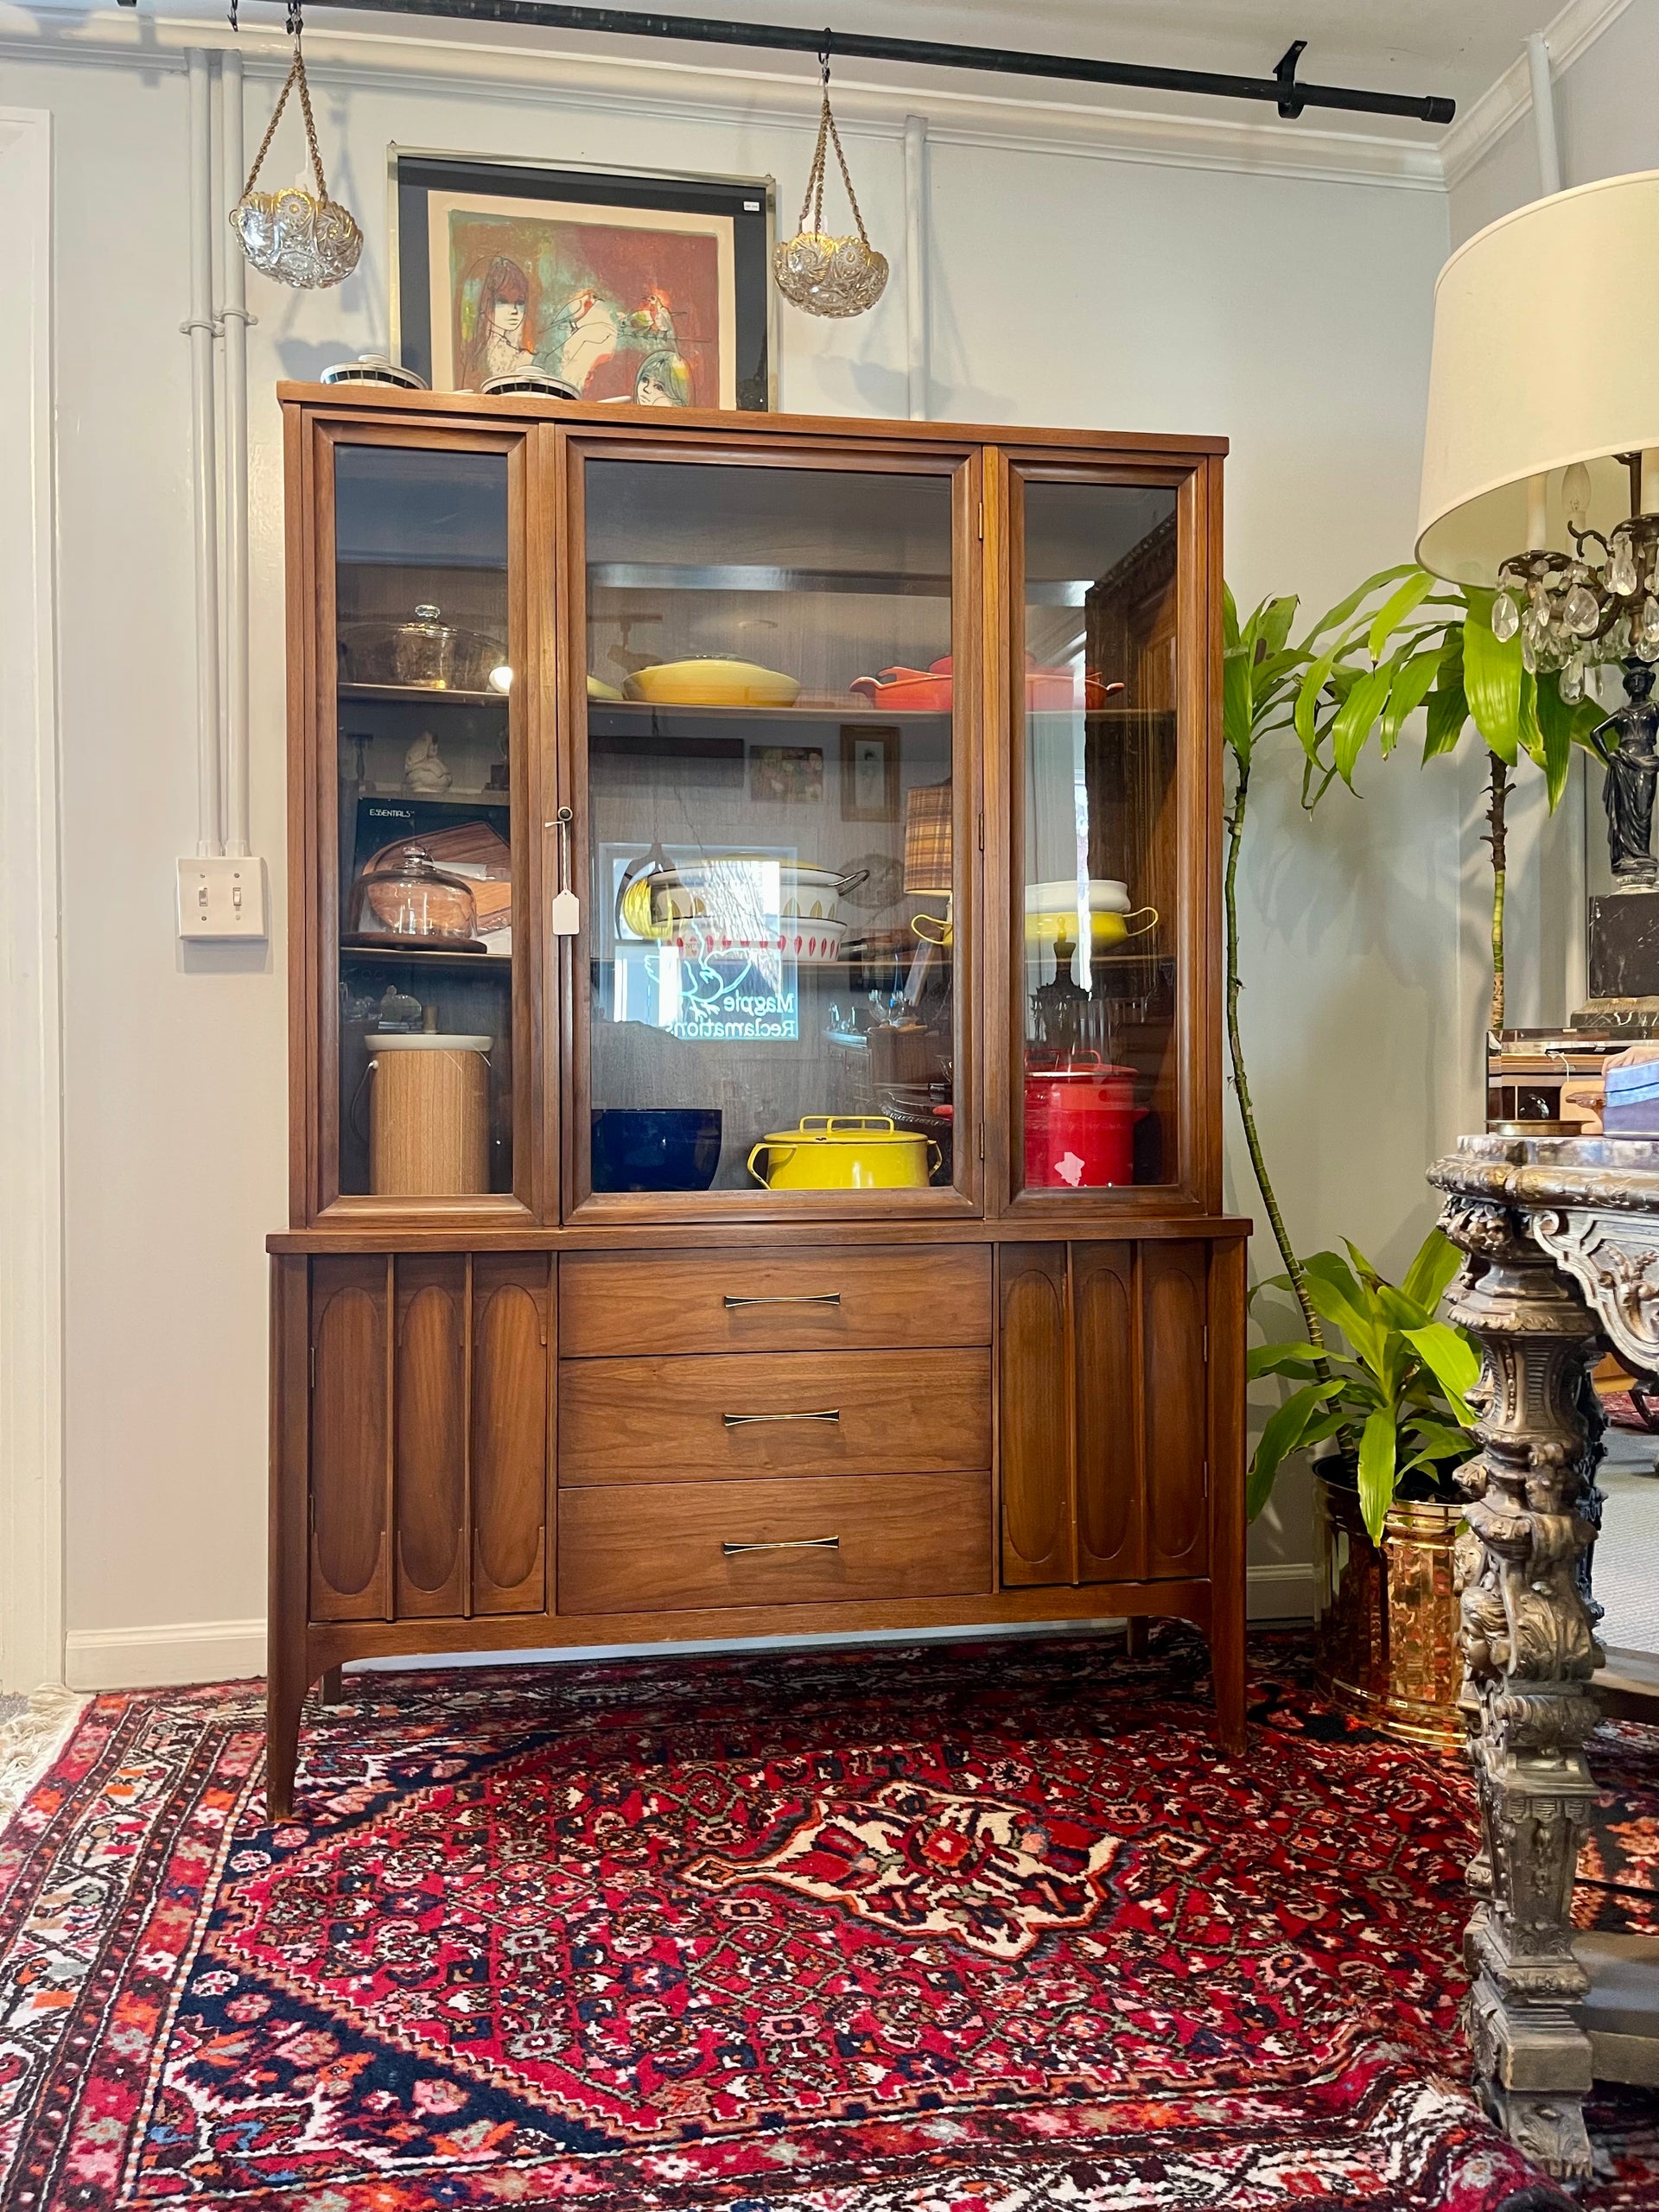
425 1040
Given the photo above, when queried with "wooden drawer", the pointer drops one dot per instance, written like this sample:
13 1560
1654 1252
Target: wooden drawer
784 1412
660 1547
815 1298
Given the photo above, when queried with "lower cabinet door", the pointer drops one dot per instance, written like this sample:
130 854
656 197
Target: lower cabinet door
1102 1411
351 1439
430 1442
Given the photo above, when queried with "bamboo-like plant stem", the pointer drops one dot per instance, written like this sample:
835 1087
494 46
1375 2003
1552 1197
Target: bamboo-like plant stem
1241 1081
1497 838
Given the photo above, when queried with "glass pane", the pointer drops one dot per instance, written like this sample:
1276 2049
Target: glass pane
769 765
425 823
1102 836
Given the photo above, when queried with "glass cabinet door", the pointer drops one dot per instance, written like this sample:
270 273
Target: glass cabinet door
773 871
425 833
1097 838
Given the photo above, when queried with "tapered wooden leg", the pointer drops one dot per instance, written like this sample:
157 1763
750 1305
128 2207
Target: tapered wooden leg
328 1689
1139 1638
284 1702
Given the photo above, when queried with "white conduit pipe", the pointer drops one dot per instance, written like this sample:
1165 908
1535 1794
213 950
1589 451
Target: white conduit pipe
235 318
200 329
1543 114
916 261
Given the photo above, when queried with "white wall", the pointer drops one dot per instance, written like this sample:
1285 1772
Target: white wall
1291 314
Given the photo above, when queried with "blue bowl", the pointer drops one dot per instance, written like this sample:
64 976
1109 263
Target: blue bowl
655 1148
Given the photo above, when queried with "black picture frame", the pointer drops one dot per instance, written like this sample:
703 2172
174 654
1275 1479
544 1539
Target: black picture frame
414 175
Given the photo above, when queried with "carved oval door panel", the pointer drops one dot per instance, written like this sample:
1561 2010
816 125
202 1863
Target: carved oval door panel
348 1440
1035 1416
430 1434
1109 1415
510 1408
1174 1290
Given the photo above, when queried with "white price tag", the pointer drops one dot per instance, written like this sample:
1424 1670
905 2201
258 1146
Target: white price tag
565 914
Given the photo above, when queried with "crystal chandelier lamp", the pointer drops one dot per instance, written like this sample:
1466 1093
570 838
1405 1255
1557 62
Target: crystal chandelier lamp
1540 457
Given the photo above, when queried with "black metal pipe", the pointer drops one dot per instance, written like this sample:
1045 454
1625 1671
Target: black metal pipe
1282 90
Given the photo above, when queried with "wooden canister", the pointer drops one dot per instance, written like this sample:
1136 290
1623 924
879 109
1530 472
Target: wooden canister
429 1117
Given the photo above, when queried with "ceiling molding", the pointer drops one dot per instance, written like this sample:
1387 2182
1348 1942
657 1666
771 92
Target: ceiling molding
625 84
1483 120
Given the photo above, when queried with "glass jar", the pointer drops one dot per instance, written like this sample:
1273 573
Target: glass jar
405 895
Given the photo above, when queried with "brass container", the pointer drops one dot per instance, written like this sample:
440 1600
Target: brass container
1385 1621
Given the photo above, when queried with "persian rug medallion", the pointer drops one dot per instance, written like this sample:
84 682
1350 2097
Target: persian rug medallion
954 1930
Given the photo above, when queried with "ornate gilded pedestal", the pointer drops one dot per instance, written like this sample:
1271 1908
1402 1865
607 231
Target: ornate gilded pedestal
1562 1243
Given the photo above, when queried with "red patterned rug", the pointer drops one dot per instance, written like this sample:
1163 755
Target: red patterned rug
949 1929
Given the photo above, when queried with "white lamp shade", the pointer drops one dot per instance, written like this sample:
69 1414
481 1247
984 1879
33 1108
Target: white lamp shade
1546 352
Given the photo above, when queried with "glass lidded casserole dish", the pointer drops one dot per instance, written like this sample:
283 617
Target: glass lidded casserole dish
404 897
424 653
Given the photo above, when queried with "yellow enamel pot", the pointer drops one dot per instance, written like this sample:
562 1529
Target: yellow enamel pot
1105 930
845 1151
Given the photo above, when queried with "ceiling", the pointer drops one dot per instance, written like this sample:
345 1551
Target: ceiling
1457 48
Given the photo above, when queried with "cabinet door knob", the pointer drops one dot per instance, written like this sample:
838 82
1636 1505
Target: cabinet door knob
786 1544
795 1297
747 1420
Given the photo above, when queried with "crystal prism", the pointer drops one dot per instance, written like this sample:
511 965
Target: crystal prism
1621 574
1506 618
1573 681
1580 611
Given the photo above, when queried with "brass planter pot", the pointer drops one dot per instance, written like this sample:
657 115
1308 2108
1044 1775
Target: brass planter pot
1385 1621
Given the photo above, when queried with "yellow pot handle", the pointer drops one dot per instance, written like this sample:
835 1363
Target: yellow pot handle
938 1158
763 1180
940 922
1145 926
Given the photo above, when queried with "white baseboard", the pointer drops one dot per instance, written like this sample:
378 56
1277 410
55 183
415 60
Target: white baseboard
221 1651
1282 1589
165 1655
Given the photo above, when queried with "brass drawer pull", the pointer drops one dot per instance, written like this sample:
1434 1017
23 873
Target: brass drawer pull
795 1297
747 1420
786 1544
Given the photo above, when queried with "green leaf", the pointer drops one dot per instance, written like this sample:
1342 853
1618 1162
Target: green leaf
1307 701
1236 720
1280 1359
1379 1451
1403 601
1448 711
1229 618
1452 1360
1430 1274
1492 682
1277 615
1281 1436
1336 1298
1345 608
1355 720
1411 687
1555 720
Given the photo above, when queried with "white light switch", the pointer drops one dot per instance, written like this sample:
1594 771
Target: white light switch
222 898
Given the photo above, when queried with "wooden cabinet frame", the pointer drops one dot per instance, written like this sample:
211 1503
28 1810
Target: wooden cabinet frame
386 1535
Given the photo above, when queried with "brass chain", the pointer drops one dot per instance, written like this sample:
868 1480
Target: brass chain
296 75
813 203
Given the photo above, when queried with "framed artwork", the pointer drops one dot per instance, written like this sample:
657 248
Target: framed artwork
786 774
633 288
869 773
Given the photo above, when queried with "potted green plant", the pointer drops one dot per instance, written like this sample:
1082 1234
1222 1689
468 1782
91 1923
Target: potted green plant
1382 1401
1386 1401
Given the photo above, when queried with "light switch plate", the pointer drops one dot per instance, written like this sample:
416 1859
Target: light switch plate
222 898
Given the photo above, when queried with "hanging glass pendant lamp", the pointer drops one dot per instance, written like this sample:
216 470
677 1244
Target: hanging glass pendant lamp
298 237
819 274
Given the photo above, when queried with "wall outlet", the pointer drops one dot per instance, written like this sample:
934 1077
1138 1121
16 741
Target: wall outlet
222 898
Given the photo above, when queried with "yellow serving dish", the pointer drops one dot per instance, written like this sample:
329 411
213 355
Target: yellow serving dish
845 1151
707 681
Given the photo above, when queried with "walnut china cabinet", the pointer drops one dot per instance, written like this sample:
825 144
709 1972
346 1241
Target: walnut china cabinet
755 1092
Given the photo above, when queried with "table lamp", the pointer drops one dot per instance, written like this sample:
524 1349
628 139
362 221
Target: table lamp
1541 480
